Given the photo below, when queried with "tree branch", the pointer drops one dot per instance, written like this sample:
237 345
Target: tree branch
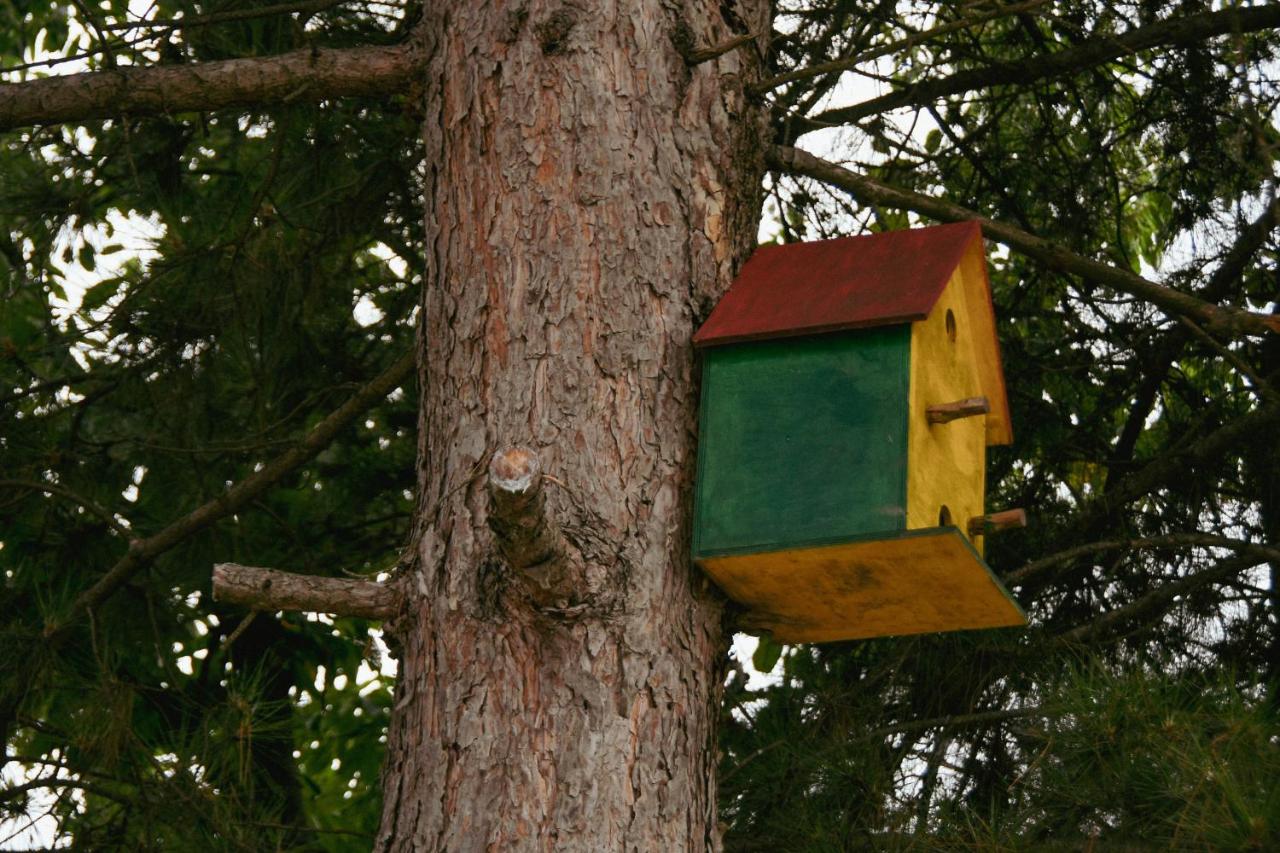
1155 603
955 721
892 47
143 551
1258 385
1095 51
528 538
55 489
1249 240
1224 442
1223 320
224 17
1037 568
17 790
305 75
977 718
1220 443
269 589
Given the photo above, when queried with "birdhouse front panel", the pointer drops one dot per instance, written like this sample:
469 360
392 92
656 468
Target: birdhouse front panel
946 472
804 441
849 391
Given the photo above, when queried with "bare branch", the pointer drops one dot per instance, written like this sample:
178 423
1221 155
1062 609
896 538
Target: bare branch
1157 602
1259 385
1096 51
269 589
1038 568
225 17
1249 240
55 489
143 551
955 721
977 718
528 537
1153 366
892 47
303 75
1223 320
54 782
1221 443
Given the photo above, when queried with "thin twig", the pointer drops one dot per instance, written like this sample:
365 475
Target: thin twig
225 17
1226 320
239 629
62 491
1036 568
892 47
1260 386
143 551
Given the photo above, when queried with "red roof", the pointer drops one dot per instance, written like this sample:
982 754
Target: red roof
849 283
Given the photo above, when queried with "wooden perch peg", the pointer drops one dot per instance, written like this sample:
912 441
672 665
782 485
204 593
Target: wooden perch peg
528 538
269 589
1010 519
942 413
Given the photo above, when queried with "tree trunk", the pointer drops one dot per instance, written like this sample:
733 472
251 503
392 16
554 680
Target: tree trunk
588 195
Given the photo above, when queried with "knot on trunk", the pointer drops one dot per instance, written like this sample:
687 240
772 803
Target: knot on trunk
553 31
529 539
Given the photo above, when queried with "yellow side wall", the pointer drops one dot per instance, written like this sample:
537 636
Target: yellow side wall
973 275
946 462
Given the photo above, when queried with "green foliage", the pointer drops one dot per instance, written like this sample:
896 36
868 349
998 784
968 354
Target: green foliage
220 258
1139 759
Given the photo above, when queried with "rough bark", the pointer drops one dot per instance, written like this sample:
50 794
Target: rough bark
302 75
270 589
588 195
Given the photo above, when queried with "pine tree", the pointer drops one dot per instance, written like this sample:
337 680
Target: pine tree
554 195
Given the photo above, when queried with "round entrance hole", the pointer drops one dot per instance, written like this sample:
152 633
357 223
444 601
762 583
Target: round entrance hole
944 516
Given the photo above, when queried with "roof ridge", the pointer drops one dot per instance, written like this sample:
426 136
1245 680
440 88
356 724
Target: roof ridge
860 281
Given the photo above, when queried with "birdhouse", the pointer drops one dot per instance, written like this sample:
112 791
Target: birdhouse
850 388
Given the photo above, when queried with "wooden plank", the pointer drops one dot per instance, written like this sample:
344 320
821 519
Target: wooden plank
848 283
911 583
972 275
946 470
802 440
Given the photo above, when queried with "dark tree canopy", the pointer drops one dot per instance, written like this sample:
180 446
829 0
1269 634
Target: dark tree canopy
220 393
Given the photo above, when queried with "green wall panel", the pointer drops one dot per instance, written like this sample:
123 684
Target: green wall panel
802 440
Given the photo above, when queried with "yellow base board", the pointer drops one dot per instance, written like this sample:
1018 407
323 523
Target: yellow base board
917 582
